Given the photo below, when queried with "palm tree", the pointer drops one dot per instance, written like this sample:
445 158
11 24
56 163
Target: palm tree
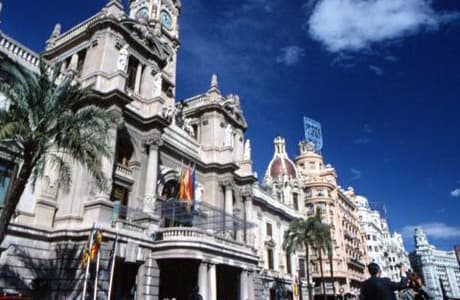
300 233
46 124
321 242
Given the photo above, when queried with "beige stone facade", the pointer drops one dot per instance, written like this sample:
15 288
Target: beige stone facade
230 242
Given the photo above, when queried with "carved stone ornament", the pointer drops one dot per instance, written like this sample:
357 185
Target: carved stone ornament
146 32
227 182
155 141
246 192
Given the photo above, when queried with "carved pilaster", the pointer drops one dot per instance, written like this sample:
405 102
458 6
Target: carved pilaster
153 143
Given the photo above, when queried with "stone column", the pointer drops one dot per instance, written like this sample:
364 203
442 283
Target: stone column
251 286
212 280
203 280
247 208
244 289
73 65
228 205
151 176
137 83
228 197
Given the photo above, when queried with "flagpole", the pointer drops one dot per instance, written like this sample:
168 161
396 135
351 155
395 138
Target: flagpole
88 260
112 267
97 274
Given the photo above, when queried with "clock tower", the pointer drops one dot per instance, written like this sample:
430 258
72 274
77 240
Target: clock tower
153 12
156 24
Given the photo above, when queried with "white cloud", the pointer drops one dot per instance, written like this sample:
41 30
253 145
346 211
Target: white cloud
455 193
352 25
290 55
357 174
433 230
377 70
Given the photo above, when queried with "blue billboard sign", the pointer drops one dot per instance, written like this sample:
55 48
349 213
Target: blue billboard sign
313 133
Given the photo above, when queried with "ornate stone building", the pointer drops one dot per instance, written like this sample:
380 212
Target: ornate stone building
229 242
383 248
321 190
440 269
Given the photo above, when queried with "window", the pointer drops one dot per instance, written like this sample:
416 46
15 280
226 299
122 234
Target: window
269 230
308 193
301 268
288 264
295 201
270 258
133 63
81 60
320 193
120 197
5 178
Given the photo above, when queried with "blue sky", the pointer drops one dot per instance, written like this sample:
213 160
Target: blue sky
381 76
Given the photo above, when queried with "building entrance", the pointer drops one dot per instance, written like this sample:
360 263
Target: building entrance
124 281
228 279
178 277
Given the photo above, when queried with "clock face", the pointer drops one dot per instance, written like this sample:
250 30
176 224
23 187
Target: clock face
142 13
166 19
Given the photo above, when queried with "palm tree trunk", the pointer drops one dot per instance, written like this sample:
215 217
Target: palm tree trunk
12 198
331 266
323 285
307 260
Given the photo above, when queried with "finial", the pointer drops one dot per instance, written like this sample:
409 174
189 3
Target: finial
56 31
214 91
113 8
54 35
214 82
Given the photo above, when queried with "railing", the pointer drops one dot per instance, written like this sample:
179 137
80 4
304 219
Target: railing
126 218
123 171
196 234
16 50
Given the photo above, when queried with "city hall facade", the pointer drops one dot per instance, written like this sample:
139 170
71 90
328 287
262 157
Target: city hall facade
228 243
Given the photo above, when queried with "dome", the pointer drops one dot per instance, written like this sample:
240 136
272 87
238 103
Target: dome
282 166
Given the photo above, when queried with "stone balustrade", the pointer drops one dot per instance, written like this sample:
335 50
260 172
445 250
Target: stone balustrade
124 172
191 234
16 51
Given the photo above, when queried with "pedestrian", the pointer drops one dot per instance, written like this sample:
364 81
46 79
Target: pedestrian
377 288
415 289
195 295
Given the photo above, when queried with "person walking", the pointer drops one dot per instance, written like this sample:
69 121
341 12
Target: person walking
377 288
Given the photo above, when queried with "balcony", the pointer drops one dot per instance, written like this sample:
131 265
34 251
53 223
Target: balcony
124 173
199 238
199 225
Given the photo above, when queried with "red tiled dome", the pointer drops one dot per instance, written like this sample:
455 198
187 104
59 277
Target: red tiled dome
276 168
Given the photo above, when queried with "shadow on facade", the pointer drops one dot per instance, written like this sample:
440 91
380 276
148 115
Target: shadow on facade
42 278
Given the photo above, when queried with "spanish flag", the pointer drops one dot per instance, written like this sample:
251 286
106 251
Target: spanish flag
96 244
85 253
